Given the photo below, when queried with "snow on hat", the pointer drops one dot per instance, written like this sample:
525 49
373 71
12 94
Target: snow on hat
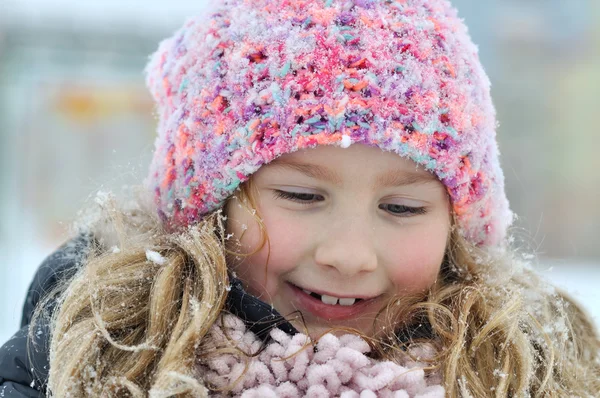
260 78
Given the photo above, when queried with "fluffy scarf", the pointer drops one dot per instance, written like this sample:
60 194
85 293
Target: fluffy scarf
291 367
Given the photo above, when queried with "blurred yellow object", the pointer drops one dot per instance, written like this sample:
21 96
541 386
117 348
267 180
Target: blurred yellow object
90 104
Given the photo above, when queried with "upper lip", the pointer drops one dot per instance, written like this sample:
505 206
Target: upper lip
337 295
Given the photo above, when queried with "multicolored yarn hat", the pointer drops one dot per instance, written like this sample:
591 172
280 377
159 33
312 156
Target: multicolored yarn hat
260 78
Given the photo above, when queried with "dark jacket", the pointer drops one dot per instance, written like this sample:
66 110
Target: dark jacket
24 362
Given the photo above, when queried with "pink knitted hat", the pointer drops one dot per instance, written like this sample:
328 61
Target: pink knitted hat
260 78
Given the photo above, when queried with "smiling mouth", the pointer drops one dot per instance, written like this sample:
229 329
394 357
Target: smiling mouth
332 308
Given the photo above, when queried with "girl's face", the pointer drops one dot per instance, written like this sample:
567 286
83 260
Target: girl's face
348 229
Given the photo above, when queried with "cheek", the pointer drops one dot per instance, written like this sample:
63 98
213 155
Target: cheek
417 260
285 249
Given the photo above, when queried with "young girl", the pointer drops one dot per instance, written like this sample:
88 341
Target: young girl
328 218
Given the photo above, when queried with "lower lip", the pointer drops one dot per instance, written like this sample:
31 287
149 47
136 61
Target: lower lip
326 311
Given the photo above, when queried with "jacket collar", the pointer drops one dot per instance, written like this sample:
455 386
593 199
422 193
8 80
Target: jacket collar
258 316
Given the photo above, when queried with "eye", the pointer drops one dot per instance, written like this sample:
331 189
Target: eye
300 197
307 198
401 210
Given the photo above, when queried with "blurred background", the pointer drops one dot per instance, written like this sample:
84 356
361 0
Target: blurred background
75 118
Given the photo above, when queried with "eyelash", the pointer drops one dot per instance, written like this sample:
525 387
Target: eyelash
296 197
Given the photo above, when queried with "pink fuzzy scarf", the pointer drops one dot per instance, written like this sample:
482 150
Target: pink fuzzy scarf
287 368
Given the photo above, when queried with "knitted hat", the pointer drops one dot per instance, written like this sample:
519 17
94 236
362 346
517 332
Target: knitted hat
260 78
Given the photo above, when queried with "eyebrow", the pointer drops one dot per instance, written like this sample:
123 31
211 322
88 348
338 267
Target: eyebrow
391 178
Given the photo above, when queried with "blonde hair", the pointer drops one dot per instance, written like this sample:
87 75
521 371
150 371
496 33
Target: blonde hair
132 321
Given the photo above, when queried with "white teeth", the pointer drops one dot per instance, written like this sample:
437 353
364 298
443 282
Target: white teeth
329 299
333 300
347 301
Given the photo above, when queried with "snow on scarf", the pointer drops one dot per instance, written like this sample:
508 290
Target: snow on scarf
339 367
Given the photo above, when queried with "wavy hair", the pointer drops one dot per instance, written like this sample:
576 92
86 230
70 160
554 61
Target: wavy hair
131 322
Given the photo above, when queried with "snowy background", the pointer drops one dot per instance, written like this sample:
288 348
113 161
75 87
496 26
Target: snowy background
75 118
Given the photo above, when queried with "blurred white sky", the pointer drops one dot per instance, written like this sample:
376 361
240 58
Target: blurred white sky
98 13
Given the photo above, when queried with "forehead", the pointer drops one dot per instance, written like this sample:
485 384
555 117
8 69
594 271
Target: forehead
336 165
357 156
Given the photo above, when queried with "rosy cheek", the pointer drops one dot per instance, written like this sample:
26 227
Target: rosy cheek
281 253
415 276
416 266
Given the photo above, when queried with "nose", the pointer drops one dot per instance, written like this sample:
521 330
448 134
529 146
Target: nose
348 247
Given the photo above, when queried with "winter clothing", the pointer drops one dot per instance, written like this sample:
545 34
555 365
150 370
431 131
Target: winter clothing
262 78
20 376
289 367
